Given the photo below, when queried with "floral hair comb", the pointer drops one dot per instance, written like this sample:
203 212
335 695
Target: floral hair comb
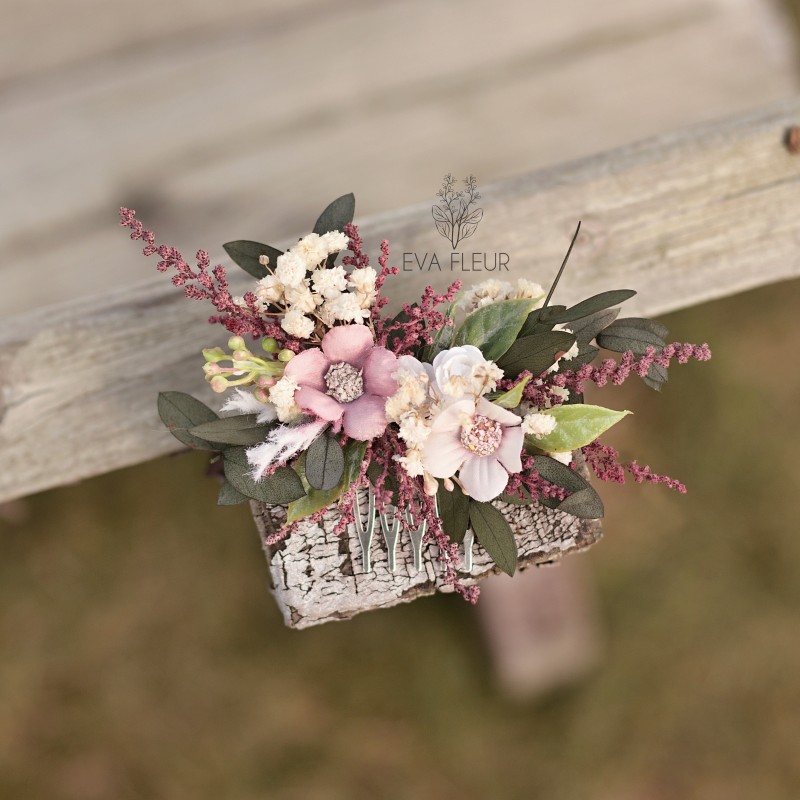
436 420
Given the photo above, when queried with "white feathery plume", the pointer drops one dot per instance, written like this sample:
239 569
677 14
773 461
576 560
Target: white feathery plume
282 443
243 402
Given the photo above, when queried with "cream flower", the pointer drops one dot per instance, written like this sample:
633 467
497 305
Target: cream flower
329 283
530 290
411 462
538 425
347 308
290 269
334 241
484 293
269 289
295 323
300 298
312 249
363 281
281 395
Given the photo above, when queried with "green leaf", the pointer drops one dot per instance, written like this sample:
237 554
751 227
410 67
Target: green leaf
535 353
656 377
280 488
587 328
632 334
578 425
228 496
558 474
585 504
317 499
586 355
516 500
324 463
246 255
239 430
337 214
180 412
394 337
494 533
513 397
591 305
537 321
493 328
453 511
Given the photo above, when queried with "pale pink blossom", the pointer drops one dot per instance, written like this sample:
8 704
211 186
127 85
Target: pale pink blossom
482 442
346 381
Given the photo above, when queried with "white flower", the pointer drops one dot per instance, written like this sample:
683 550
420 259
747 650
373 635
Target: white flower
363 279
528 290
463 370
485 293
269 289
414 430
329 283
560 391
538 425
570 354
334 241
411 462
295 323
311 249
243 402
281 395
300 298
564 458
291 269
347 308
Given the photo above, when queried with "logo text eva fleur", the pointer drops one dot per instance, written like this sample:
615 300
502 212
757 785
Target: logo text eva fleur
456 262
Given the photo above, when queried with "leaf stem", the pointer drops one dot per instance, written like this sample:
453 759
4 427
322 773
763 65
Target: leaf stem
563 265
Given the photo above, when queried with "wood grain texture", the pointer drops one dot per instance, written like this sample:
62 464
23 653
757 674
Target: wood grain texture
241 120
682 218
318 577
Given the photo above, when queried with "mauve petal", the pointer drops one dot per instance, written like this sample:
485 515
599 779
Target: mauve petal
317 403
308 369
509 454
378 369
443 454
348 343
365 418
498 413
451 418
483 477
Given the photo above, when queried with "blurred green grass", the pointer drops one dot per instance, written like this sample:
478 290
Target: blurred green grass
143 657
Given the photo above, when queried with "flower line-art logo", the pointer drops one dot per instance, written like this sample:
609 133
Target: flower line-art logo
454 215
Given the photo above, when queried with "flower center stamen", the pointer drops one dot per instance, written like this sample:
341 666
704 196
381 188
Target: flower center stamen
345 383
482 436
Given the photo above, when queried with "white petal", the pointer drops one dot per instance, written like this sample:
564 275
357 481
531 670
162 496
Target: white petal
509 454
495 412
452 418
483 477
443 454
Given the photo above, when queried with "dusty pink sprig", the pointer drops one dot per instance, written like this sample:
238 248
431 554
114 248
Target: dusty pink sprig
618 371
204 283
604 462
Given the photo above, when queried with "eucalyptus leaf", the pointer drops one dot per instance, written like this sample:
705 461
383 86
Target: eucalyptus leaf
493 328
632 334
180 412
454 512
558 474
586 329
536 321
493 531
656 377
516 499
336 215
577 426
513 397
246 254
280 488
591 305
586 355
535 353
317 499
585 504
228 496
324 463
241 429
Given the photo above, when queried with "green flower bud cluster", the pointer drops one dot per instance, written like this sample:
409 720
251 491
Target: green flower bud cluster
241 367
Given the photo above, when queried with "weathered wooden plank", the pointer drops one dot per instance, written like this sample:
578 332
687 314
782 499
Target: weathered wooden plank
682 218
248 118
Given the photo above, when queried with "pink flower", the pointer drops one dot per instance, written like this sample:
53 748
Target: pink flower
347 381
484 442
